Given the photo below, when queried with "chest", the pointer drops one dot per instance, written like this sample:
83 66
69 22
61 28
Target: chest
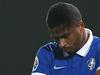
75 66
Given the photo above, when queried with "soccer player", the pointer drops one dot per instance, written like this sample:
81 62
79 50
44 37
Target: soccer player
74 51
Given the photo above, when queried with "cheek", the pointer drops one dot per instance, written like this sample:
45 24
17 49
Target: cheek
71 40
75 39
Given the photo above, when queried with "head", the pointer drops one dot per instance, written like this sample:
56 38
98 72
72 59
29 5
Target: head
66 27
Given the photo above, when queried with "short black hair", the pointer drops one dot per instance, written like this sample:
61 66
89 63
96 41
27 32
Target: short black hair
62 13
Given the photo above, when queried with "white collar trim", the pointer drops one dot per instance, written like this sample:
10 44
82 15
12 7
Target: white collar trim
85 49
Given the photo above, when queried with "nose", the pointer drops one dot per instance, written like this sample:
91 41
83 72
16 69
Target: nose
62 43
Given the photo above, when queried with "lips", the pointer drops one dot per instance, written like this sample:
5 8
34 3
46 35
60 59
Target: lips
69 50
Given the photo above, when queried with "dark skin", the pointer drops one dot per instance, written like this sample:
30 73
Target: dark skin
70 39
98 72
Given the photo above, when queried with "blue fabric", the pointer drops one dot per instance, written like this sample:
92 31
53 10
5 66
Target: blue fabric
76 65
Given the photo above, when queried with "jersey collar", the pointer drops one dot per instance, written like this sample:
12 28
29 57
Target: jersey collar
85 49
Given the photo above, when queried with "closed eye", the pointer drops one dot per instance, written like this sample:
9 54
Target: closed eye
65 35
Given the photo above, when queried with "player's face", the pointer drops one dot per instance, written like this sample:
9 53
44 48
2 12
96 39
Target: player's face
69 39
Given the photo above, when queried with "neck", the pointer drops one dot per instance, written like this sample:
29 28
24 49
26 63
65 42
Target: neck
85 38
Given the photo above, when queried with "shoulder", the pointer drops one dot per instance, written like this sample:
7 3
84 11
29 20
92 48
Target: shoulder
96 40
44 58
48 47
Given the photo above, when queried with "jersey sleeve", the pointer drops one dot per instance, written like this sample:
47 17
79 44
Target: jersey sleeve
42 62
98 57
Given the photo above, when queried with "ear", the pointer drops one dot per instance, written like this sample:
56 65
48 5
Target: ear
81 25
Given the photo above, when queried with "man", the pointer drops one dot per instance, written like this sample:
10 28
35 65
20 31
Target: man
74 51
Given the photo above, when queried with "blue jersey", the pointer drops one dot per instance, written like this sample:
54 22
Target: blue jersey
50 61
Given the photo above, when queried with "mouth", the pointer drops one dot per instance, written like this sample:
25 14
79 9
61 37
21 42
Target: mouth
69 50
